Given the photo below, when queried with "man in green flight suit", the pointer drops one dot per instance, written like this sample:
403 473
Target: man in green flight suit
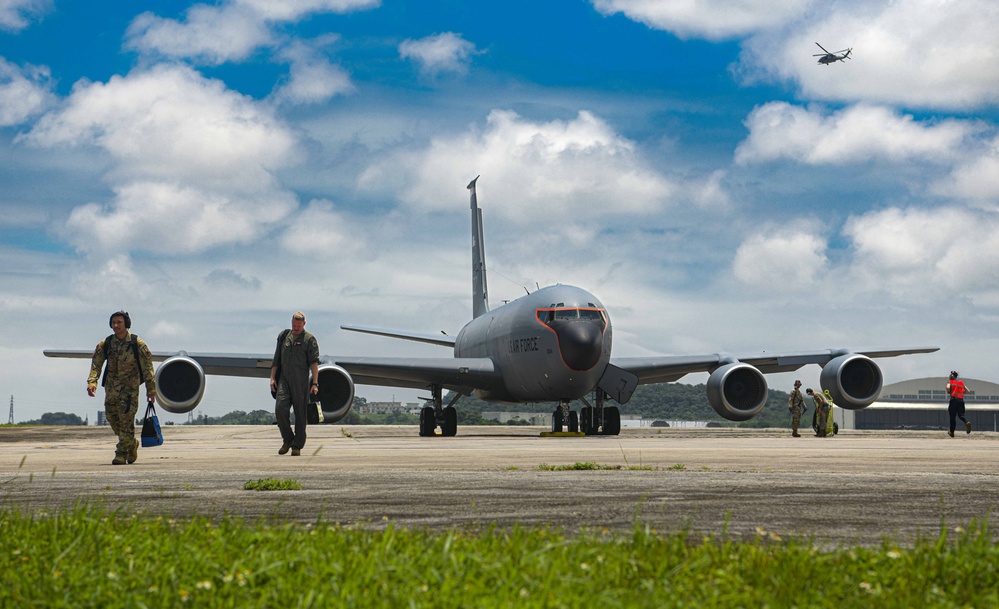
295 358
129 362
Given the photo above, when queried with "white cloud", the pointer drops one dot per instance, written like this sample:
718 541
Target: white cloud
977 179
710 19
783 259
938 254
321 232
230 31
918 53
23 92
312 78
855 134
447 52
194 161
568 171
15 15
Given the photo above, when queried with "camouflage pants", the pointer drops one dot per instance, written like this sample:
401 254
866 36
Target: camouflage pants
795 418
120 408
821 420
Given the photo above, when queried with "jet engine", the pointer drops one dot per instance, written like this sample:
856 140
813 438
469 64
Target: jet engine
336 392
853 380
180 384
737 391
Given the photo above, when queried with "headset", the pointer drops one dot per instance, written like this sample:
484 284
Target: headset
128 320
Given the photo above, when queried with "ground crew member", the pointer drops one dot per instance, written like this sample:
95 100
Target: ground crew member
796 404
129 362
956 391
821 412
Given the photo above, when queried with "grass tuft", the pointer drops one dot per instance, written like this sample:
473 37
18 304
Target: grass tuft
273 484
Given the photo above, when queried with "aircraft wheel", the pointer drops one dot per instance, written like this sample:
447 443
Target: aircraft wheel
427 421
557 421
586 420
612 421
573 421
450 425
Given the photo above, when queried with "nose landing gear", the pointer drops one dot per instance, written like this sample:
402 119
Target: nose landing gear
592 420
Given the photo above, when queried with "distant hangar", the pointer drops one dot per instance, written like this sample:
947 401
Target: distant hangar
922 404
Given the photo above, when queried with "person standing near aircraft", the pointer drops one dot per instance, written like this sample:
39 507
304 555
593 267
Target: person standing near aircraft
297 355
129 362
796 404
821 414
956 391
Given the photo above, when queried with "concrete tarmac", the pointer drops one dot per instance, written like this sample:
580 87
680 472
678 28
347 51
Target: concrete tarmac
856 488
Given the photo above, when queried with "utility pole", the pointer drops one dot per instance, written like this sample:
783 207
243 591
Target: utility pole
10 421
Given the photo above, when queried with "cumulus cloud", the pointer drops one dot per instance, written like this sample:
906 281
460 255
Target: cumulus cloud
320 232
23 92
783 259
919 53
15 15
976 179
560 169
709 19
194 161
918 251
230 31
447 52
855 134
312 77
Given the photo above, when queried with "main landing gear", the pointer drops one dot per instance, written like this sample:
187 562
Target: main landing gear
437 415
592 420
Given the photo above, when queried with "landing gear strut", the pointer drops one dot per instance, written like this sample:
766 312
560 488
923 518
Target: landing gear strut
438 414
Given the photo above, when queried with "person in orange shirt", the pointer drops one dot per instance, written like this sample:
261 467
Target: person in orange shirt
956 391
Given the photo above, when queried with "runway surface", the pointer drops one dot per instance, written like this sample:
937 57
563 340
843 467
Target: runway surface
856 488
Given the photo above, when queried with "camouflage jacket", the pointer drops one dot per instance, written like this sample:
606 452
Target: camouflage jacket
123 370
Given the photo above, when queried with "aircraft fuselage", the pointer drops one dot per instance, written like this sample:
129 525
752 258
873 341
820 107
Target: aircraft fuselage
553 344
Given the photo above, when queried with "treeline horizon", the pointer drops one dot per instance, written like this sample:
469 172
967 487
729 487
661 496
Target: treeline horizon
661 402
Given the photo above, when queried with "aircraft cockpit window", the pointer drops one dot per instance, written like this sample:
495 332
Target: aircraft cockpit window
547 316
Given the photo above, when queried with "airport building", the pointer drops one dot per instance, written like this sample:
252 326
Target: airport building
922 404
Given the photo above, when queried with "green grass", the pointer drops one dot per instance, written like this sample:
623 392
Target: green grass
88 557
590 465
272 484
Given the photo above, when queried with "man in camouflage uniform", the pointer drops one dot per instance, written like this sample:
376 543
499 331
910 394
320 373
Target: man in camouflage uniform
796 404
121 383
821 412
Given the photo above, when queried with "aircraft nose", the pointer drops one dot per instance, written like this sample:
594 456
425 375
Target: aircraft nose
580 342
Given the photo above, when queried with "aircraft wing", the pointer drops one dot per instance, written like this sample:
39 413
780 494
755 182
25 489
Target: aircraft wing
412 372
667 369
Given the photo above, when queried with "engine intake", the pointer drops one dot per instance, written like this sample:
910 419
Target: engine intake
737 391
854 381
180 384
336 392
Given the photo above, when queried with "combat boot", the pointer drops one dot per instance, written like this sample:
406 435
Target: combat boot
795 434
967 425
133 453
118 460
950 432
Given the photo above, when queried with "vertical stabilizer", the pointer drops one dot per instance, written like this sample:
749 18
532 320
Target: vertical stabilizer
480 293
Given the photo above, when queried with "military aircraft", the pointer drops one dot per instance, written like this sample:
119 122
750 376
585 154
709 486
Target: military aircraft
826 58
551 345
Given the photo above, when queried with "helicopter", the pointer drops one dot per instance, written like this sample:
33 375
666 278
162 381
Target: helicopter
827 58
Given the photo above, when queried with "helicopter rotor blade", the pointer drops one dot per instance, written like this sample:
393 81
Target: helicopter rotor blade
822 47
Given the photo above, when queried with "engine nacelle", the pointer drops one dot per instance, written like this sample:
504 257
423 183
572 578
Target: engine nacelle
737 391
853 380
180 384
336 392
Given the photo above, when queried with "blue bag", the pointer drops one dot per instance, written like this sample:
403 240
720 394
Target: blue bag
151 434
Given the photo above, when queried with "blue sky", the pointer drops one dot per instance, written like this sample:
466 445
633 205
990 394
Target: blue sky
213 167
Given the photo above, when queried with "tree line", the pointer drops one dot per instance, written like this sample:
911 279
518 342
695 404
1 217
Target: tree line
666 402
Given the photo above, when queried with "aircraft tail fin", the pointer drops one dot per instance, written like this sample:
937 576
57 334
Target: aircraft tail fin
480 292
